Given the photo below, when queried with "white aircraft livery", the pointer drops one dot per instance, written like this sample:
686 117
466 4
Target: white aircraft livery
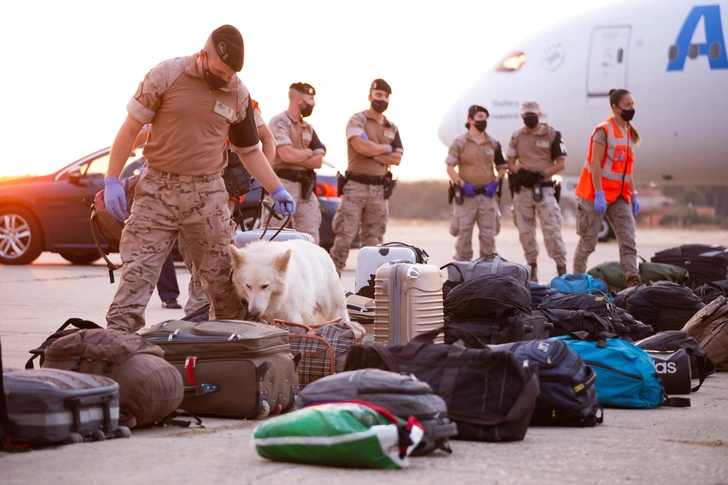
671 55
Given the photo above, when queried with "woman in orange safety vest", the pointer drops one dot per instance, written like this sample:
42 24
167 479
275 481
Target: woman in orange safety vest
606 188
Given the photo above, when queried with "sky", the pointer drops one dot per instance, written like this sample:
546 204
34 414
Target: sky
70 67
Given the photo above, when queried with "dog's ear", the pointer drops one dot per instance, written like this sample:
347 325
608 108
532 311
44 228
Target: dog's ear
280 263
237 255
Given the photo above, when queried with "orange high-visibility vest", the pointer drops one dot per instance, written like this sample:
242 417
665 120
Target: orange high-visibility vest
616 166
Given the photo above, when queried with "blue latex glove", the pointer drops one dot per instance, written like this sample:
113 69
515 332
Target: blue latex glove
284 204
600 203
635 205
115 199
468 190
364 135
391 149
491 188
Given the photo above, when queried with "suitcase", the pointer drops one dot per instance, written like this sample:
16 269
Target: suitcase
701 260
462 271
372 257
243 238
407 302
230 368
47 406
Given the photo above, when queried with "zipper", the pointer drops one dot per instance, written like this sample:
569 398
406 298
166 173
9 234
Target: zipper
215 356
616 371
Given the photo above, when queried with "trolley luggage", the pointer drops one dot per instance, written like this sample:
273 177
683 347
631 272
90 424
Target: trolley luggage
47 406
701 260
243 238
370 258
230 368
407 301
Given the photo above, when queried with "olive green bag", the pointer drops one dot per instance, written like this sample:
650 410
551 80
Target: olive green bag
611 273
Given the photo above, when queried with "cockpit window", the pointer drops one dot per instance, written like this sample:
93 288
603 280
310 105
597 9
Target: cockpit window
512 62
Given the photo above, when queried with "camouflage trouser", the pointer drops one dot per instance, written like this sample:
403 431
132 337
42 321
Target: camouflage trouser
164 209
484 211
525 210
308 211
364 209
196 297
588 222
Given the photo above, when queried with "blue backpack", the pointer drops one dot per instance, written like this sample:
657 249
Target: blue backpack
579 283
626 376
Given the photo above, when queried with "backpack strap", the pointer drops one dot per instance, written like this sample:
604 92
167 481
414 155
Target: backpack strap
172 419
387 358
111 266
462 278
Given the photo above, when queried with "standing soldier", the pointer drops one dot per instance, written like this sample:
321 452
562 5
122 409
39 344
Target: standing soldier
477 157
193 104
298 152
540 153
373 144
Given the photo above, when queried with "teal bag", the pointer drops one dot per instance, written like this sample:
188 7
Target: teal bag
579 283
626 376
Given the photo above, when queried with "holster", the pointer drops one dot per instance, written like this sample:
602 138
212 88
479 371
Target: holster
557 191
500 188
340 182
513 184
308 184
450 193
389 185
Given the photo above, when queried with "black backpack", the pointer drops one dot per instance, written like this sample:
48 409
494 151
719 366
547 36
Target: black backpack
567 395
701 260
597 303
637 329
488 307
566 322
538 293
663 305
674 340
708 291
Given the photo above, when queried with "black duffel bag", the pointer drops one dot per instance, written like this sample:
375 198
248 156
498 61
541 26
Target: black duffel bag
489 394
637 329
663 305
566 322
708 291
538 293
707 262
597 303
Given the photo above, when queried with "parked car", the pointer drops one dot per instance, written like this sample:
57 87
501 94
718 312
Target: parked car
51 212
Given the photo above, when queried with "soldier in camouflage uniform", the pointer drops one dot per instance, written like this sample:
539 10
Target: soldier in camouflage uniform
193 104
479 161
536 153
373 144
298 153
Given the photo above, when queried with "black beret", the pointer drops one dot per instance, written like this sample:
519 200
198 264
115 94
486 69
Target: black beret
381 85
475 109
304 88
228 44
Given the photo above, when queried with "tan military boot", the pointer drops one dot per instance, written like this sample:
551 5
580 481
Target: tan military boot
560 269
534 272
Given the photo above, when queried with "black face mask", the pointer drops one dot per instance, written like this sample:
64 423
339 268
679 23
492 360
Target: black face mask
306 110
212 80
531 121
627 114
379 105
481 125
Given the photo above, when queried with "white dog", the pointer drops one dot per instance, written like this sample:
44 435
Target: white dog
288 280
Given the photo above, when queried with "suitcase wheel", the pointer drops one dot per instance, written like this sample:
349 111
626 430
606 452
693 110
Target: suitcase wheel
73 438
122 432
264 410
98 435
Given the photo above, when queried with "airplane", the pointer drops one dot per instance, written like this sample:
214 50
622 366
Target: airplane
670 55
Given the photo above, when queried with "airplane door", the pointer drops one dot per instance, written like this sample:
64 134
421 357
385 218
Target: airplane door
607 60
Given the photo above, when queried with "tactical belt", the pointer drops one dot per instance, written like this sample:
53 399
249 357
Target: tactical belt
184 178
294 175
366 179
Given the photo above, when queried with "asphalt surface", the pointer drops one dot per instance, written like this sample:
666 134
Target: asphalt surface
662 446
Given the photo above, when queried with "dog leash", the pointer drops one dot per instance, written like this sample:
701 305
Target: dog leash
271 214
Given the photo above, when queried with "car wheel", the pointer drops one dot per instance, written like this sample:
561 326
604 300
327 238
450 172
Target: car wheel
605 231
21 237
80 257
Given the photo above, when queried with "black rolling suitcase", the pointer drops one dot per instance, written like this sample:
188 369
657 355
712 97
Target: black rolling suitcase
701 260
50 406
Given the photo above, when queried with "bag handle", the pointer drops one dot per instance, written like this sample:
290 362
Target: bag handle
387 358
79 323
599 337
415 344
332 354
702 282
421 254
462 278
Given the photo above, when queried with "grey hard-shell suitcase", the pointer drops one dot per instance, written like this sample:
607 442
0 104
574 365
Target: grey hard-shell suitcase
402 394
230 368
462 271
243 238
370 258
48 406
407 302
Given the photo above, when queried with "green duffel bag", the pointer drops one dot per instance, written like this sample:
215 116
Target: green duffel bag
611 273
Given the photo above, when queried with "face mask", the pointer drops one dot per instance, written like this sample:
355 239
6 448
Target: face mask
531 121
480 125
379 105
212 80
306 110
627 114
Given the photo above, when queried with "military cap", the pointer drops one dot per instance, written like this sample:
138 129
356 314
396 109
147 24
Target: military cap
530 107
381 85
304 88
229 47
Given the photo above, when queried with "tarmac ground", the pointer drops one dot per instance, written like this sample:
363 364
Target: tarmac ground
661 446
